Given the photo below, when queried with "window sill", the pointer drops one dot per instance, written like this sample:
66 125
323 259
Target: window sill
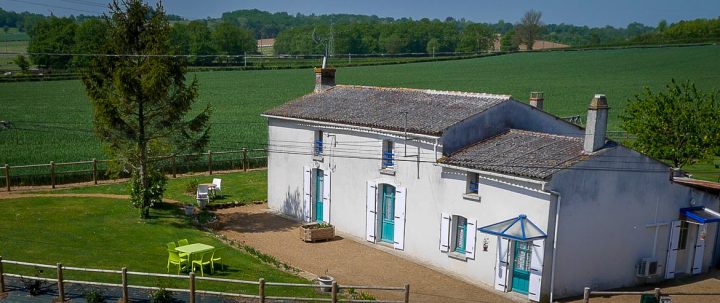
387 171
318 158
474 197
457 256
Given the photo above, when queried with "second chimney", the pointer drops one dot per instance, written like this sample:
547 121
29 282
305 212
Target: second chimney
596 127
324 79
537 99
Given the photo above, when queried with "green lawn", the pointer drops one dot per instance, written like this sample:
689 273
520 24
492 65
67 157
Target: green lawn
244 187
53 118
107 234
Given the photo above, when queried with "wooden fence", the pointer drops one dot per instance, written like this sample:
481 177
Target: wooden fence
657 293
210 162
192 290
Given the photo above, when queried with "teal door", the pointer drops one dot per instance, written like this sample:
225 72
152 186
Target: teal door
521 267
387 225
319 195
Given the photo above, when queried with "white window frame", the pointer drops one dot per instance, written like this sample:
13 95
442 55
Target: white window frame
388 144
469 193
449 236
318 136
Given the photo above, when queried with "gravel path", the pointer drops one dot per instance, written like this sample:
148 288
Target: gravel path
349 262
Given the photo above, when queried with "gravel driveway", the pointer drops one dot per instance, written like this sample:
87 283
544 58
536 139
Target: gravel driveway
349 262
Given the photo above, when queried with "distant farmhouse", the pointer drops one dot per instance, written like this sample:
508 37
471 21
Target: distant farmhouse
488 189
537 45
265 46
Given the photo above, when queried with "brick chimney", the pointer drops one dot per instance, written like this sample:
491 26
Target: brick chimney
324 79
596 128
537 99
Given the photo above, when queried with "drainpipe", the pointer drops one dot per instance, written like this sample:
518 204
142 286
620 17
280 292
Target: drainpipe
555 240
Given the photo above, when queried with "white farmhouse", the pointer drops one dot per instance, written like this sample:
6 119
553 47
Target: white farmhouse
487 189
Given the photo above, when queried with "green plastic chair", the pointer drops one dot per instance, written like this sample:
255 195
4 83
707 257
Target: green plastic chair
217 257
175 259
171 247
183 242
205 259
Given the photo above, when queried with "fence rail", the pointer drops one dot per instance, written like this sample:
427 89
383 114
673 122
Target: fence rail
192 290
55 173
657 293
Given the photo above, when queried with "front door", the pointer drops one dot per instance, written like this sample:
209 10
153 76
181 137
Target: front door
319 195
387 224
521 267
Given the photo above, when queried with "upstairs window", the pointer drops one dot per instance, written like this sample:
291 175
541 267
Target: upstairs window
388 155
318 143
473 184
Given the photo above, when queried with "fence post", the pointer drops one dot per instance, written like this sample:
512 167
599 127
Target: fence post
2 277
210 161
334 292
61 286
52 174
245 159
174 170
657 295
586 295
192 287
407 293
261 291
95 171
125 297
7 176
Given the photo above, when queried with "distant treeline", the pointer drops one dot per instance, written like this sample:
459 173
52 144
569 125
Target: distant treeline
51 37
235 33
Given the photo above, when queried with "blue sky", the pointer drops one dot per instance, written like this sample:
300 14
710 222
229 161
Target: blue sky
579 12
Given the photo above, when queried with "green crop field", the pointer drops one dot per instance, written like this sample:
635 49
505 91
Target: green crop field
13 35
6 61
52 119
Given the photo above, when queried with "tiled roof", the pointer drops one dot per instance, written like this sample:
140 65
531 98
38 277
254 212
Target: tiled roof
428 111
522 153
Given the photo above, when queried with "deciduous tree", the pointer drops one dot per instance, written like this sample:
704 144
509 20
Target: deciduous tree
529 28
140 98
679 124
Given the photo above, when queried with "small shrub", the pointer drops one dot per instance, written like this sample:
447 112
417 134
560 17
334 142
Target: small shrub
94 296
191 187
161 295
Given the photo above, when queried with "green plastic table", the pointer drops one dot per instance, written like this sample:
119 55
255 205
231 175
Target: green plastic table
194 249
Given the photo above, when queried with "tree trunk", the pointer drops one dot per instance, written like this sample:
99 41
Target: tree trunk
145 206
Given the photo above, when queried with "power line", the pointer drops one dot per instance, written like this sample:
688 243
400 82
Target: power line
55 6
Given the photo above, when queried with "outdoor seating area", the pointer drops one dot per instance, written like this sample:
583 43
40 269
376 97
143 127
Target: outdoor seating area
206 192
187 256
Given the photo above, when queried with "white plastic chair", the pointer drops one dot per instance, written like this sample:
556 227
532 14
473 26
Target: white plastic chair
203 196
218 182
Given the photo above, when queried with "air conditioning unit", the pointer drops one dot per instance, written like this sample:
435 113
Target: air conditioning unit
647 267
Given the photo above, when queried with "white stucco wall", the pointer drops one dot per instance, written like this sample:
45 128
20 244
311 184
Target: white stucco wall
430 192
602 232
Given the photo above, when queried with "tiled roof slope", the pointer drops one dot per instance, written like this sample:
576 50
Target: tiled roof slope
428 111
522 153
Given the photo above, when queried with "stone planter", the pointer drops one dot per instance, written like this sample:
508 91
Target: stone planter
189 210
313 232
326 282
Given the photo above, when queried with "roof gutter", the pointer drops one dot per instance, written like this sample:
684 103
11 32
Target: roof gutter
346 126
499 175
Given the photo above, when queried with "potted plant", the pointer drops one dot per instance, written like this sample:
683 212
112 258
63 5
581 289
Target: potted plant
312 232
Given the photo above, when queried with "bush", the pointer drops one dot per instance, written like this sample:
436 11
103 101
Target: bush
94 296
191 187
161 295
